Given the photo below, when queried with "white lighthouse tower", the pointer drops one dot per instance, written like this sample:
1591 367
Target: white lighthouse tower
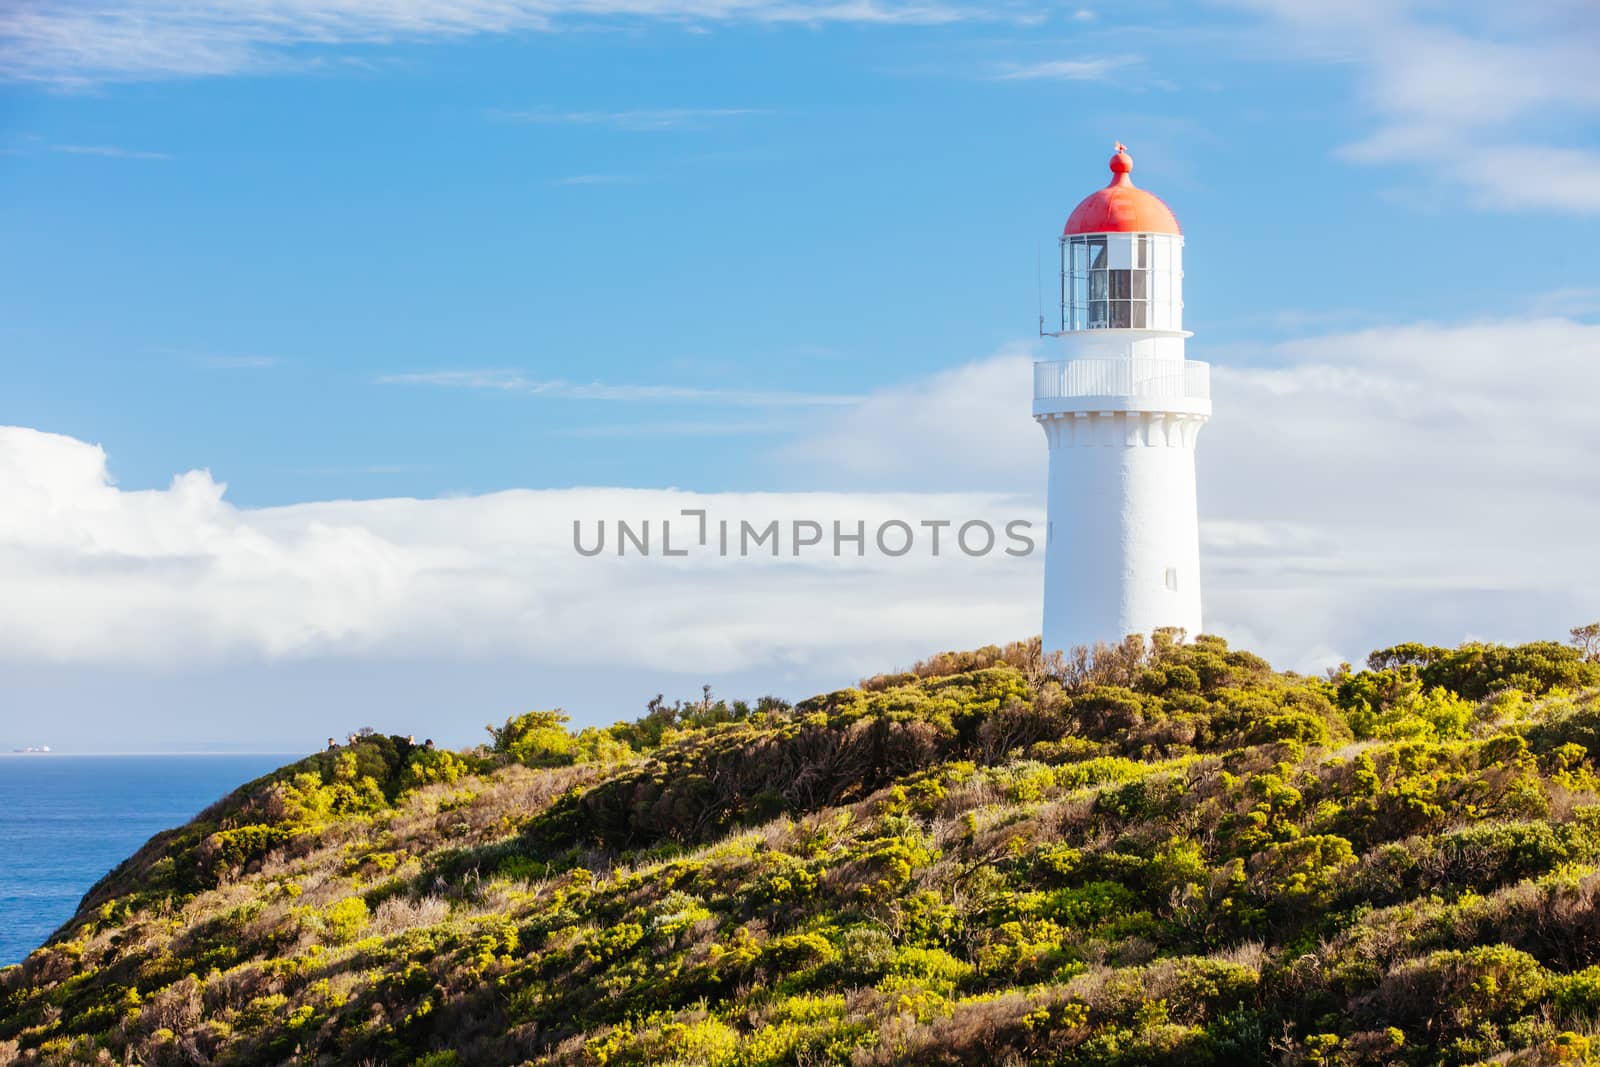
1121 409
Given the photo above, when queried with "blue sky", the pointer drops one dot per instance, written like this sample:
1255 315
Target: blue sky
224 279
332 251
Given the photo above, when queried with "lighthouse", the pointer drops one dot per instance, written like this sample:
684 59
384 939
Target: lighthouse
1121 409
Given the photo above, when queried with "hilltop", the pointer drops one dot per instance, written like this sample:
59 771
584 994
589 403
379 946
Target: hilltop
1163 853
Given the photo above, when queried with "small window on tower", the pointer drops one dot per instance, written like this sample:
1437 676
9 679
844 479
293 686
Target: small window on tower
1172 579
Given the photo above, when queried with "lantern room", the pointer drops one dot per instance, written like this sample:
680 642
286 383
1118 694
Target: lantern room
1121 259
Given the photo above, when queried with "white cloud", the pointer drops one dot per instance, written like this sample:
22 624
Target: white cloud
1492 101
682 428
595 179
1573 302
370 468
107 150
79 44
1079 70
238 362
968 426
645 120
516 382
1436 481
93 574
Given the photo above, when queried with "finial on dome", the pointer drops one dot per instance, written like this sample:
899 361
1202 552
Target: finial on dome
1121 163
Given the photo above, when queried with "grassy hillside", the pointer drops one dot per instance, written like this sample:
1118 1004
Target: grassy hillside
1167 855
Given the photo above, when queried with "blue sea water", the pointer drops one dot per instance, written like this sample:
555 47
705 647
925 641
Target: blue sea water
67 820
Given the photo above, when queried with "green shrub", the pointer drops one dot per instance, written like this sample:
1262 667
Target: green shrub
537 739
429 766
346 919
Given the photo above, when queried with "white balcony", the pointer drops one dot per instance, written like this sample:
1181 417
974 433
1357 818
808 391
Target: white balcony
1122 384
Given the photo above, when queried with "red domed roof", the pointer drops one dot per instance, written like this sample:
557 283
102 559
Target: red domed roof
1121 207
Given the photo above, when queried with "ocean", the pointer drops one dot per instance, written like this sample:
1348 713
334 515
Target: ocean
67 820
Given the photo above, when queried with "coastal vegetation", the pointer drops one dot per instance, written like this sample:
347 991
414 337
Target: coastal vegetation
1161 852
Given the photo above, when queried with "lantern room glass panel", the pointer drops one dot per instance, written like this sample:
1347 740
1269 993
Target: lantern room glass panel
1122 281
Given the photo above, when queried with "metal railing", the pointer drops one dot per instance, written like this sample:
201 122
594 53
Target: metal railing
1125 377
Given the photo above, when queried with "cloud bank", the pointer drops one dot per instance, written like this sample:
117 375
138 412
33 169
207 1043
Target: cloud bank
1425 481
93 574
1428 480
510 381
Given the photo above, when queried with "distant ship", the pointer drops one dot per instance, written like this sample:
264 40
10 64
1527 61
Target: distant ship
32 749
